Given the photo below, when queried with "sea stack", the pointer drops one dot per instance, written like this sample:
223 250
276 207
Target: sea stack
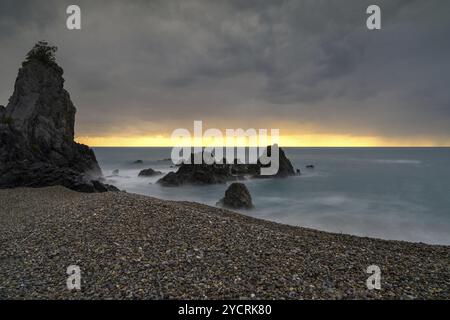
37 146
285 168
203 174
237 196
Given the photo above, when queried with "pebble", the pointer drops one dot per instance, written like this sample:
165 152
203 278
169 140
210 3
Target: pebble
137 247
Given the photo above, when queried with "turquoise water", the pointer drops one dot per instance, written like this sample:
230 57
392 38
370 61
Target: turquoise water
390 193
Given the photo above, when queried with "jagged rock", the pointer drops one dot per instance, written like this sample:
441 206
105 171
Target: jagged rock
37 146
197 174
138 162
285 168
43 174
149 173
115 172
237 196
102 187
222 173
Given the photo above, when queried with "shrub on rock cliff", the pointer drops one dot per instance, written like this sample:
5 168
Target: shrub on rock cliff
42 52
37 147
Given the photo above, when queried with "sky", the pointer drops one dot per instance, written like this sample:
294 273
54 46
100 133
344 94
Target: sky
137 70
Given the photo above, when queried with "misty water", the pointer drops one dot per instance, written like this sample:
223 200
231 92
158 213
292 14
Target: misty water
389 193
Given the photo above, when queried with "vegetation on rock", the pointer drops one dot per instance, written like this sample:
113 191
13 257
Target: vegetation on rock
42 52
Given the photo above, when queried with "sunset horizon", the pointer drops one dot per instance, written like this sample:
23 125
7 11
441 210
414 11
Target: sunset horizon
303 141
323 82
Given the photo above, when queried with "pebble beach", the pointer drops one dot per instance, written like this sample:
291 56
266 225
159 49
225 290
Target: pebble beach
136 247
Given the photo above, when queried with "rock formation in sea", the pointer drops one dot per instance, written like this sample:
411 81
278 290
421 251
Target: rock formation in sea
285 168
37 146
197 174
237 196
200 174
149 173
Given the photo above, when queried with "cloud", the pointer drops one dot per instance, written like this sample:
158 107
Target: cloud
151 66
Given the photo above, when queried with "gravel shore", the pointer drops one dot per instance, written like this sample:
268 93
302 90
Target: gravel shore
135 247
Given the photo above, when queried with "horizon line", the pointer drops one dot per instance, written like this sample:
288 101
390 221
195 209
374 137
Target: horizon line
400 146
287 140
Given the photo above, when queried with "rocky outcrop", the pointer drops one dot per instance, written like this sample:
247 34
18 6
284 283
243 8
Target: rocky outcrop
37 146
237 196
149 173
285 168
199 174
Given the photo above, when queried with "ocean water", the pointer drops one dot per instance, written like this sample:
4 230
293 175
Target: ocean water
389 193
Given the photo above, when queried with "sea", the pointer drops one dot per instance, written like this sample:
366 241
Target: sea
388 193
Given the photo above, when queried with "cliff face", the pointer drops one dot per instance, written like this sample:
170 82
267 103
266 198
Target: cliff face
37 146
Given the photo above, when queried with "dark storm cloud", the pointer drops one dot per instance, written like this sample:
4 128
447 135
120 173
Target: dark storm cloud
146 66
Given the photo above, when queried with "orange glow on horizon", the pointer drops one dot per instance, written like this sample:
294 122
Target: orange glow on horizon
307 140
